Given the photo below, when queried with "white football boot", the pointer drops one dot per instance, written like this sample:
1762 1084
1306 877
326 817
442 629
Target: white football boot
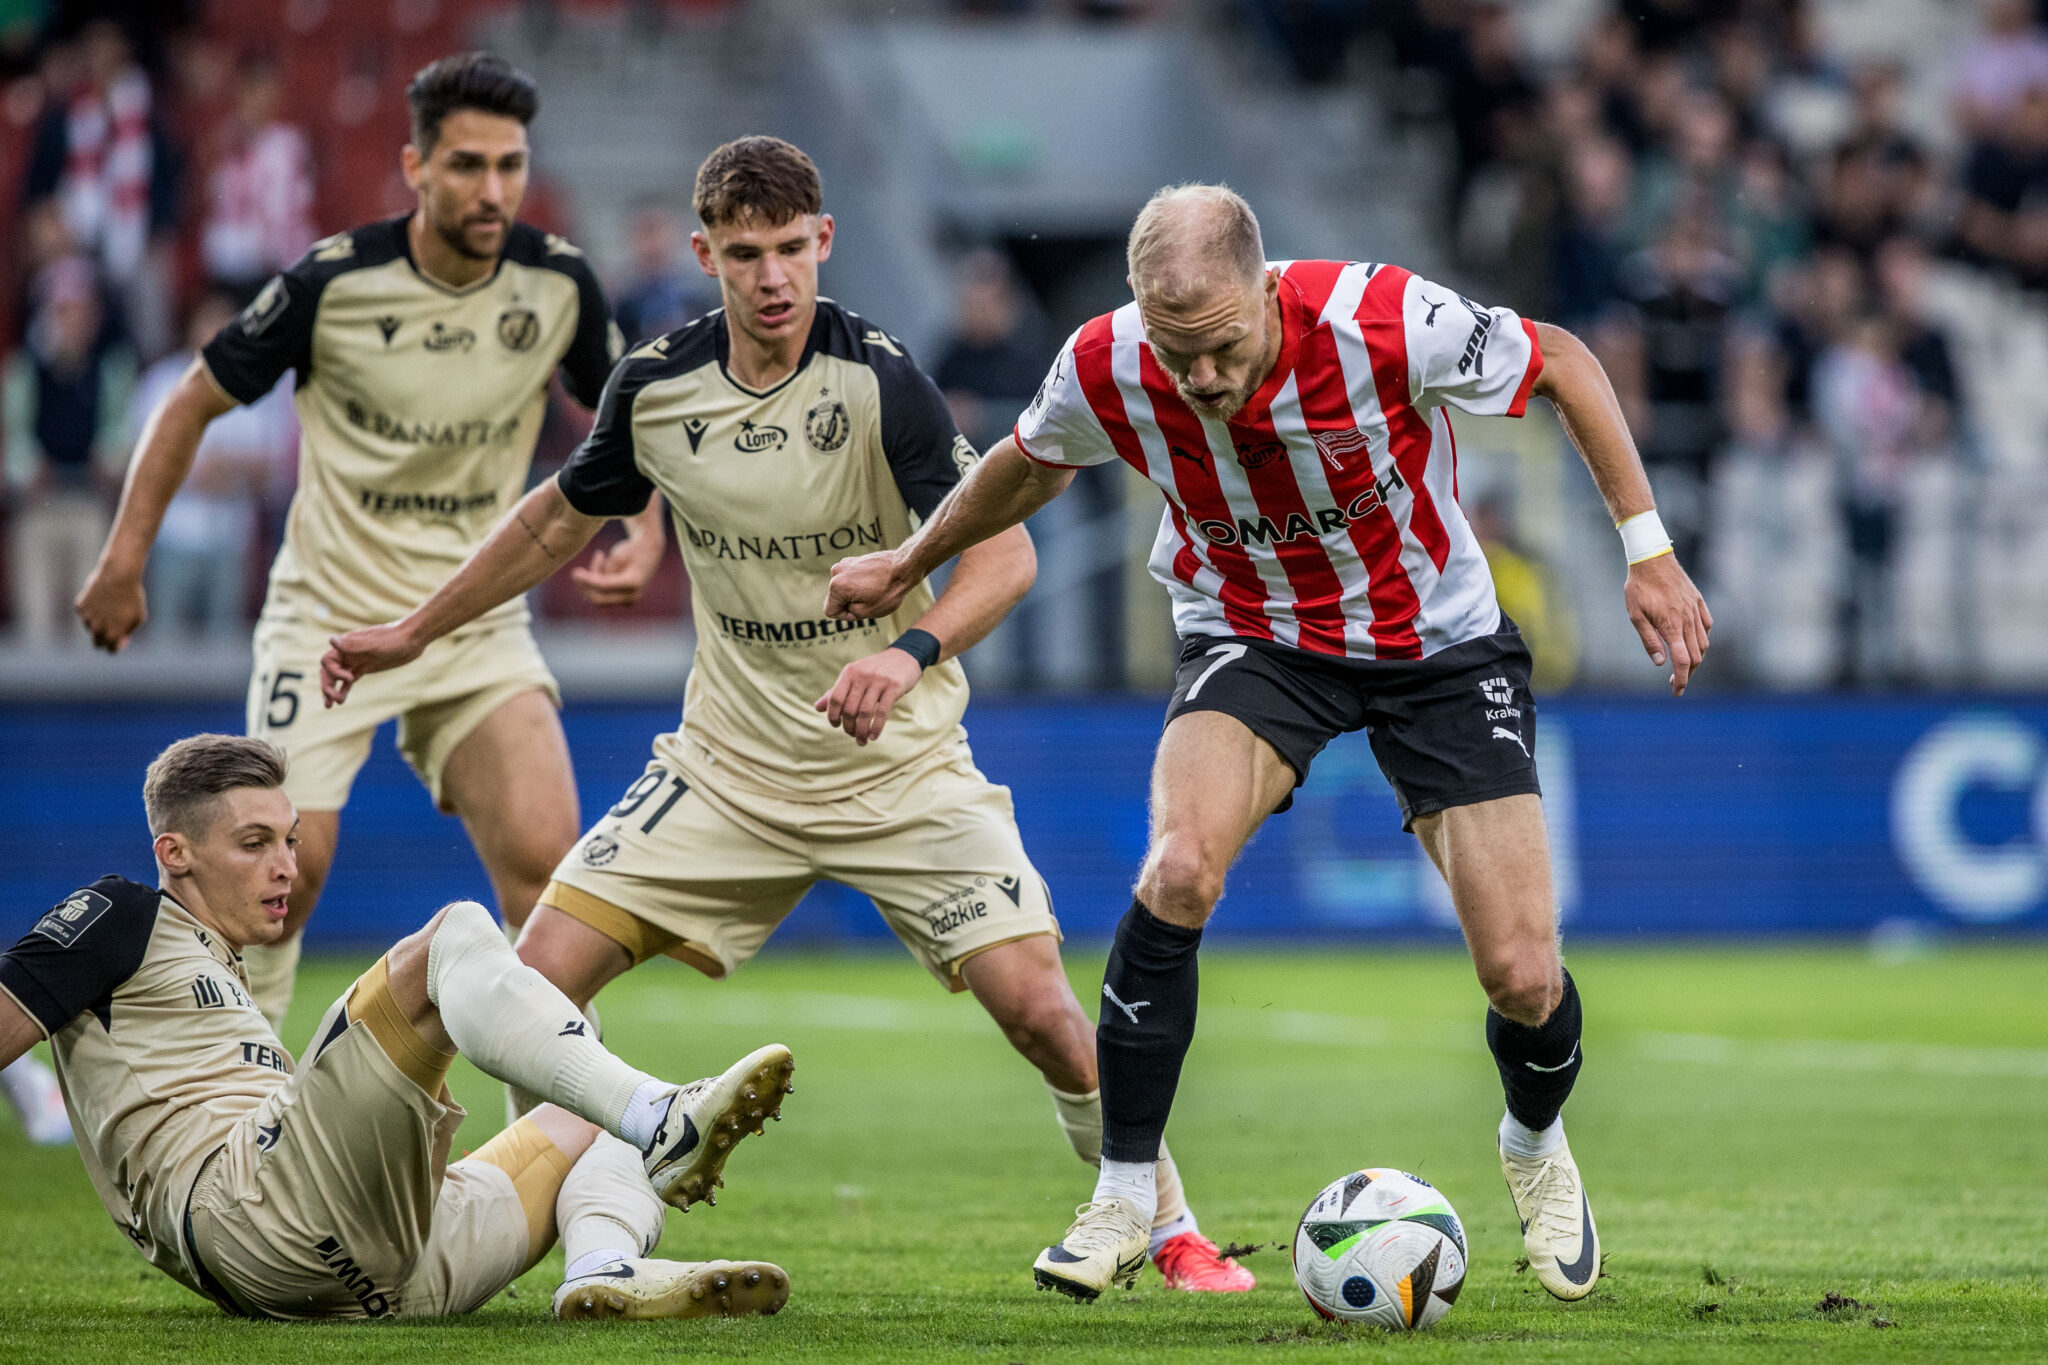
707 1118
642 1288
1557 1222
1106 1245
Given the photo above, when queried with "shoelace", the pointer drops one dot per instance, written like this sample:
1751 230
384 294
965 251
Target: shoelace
1556 1215
1110 1225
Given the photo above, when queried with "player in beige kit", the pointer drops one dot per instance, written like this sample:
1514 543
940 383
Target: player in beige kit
423 347
787 432
323 1189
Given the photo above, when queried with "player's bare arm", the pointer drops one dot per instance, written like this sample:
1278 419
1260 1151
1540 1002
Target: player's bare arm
541 535
618 574
1004 489
1667 610
18 1032
112 604
991 578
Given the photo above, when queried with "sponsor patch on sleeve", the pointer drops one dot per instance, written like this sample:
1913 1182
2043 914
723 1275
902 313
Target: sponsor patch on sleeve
67 921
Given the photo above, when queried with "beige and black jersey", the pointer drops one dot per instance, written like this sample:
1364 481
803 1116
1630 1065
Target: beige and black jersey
769 490
419 407
159 1049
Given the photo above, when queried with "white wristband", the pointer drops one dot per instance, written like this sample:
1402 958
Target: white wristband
1643 537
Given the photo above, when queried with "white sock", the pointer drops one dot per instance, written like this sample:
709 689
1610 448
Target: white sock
645 1111
513 1024
1137 1181
606 1210
1521 1141
1162 1233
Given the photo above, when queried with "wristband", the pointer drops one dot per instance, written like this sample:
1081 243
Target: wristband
920 645
1643 537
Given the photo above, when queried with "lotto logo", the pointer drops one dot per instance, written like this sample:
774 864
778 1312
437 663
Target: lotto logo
1499 691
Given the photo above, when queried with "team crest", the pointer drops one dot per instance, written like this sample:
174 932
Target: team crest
600 849
1339 447
519 328
827 426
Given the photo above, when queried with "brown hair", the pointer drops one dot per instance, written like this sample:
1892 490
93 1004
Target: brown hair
184 781
1189 239
760 178
468 80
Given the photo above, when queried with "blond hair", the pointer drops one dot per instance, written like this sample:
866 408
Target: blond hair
1190 239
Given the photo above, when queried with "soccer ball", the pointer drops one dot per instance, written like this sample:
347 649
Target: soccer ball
1380 1246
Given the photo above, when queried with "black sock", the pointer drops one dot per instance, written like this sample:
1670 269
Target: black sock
1538 1065
1147 1022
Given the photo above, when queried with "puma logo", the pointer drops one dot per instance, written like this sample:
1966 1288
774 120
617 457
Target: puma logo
1430 321
1130 1010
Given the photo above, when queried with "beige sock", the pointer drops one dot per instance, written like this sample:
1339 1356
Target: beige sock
606 1204
272 968
1080 1119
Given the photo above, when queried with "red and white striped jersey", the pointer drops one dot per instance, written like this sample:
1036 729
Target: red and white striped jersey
1324 515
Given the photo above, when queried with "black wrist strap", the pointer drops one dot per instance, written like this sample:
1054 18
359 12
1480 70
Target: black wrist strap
920 645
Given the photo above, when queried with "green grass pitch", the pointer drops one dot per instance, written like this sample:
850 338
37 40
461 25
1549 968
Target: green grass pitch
1760 1128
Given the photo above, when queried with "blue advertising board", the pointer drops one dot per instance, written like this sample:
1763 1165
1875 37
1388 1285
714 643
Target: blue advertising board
1698 817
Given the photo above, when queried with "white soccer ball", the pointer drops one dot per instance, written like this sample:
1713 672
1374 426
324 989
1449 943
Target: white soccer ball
1381 1246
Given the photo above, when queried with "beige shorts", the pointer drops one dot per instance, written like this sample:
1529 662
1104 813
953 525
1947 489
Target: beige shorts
335 1199
705 874
439 699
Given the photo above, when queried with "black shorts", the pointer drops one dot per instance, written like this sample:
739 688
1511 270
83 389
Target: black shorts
1456 728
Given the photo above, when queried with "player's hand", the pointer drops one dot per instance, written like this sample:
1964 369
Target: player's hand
865 587
372 649
112 606
1670 616
619 573
860 702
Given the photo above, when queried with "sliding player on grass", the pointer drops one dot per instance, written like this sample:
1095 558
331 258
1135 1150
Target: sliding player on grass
785 431
322 1189
1324 581
423 347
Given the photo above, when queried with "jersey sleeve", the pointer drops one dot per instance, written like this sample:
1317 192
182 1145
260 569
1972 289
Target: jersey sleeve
598 342
273 334
80 952
1481 360
603 478
1059 428
924 447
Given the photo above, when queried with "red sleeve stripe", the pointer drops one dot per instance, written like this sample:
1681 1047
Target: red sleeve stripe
1529 376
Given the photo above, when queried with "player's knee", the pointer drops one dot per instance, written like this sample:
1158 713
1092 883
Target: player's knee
1525 988
1182 881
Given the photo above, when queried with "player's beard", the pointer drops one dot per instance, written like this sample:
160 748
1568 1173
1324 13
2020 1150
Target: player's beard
1233 404
457 240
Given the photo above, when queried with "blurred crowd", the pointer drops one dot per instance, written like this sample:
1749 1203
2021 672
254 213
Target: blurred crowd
1744 224
1762 239
157 177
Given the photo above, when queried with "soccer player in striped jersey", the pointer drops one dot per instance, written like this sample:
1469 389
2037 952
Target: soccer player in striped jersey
1323 581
